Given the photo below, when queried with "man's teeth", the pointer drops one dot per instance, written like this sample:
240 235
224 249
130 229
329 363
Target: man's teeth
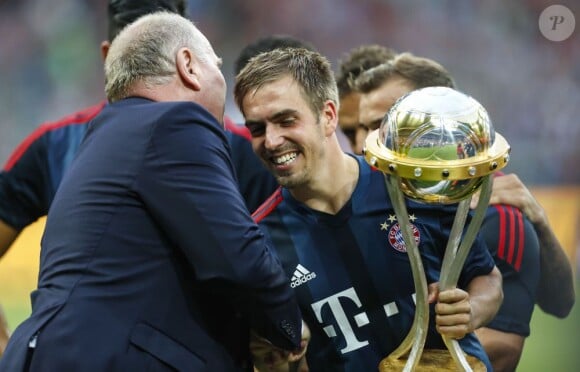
285 159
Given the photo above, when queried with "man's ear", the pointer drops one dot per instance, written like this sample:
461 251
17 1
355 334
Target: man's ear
329 117
105 45
188 68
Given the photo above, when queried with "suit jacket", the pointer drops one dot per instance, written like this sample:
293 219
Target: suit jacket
150 259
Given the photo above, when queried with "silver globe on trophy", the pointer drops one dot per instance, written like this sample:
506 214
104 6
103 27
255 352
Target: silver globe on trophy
436 145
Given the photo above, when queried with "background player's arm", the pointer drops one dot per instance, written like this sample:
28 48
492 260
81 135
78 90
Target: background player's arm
506 230
4 331
8 235
555 293
503 348
25 188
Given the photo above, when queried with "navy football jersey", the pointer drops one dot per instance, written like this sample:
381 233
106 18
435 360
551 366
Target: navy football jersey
352 275
33 172
35 169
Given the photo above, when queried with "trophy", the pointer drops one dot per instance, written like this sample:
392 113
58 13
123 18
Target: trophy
438 146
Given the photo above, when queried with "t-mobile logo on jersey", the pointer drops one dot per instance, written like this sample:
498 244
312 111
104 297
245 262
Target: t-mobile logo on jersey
341 318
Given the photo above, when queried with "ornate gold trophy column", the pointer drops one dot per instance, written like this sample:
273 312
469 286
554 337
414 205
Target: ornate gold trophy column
436 145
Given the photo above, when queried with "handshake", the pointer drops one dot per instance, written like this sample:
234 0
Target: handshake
269 358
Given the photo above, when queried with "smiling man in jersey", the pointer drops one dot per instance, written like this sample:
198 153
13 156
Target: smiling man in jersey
334 228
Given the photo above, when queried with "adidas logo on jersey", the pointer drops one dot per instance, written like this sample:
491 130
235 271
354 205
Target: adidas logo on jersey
301 276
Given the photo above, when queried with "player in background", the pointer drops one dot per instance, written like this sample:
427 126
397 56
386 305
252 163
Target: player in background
533 264
350 66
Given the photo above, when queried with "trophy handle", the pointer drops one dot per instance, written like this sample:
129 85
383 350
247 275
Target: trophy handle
415 339
454 258
456 252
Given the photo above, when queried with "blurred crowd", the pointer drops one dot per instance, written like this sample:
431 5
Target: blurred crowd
50 63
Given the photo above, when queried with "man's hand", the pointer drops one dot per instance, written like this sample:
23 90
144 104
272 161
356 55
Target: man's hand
269 358
453 316
4 332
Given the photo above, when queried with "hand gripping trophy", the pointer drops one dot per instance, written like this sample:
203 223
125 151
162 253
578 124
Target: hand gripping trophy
436 145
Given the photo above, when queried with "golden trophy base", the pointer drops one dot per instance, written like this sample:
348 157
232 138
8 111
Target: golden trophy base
432 360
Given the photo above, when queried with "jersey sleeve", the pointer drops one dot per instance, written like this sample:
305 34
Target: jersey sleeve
513 242
25 187
478 262
33 172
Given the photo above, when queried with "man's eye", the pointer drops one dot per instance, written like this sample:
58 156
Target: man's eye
256 131
287 121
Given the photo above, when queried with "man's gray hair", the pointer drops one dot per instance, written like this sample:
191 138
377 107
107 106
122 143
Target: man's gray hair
145 51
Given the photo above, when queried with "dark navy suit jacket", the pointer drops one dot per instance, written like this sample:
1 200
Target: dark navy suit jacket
150 259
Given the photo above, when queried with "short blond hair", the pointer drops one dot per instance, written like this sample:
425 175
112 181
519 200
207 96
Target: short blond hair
310 69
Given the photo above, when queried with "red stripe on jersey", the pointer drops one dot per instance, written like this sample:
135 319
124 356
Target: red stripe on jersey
268 206
240 130
512 232
501 240
80 117
521 240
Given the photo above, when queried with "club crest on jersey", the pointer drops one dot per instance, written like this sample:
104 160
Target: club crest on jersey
396 237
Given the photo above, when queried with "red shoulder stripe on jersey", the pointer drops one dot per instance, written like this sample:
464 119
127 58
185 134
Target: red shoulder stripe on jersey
521 239
268 206
512 234
511 241
502 226
240 130
80 117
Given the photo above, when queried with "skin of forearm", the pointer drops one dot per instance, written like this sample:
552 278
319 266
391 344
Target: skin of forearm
504 349
3 339
7 236
485 297
555 294
4 331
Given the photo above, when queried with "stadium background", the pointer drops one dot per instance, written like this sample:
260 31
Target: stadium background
50 66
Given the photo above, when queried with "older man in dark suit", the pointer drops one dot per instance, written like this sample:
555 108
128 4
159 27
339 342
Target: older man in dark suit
150 259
